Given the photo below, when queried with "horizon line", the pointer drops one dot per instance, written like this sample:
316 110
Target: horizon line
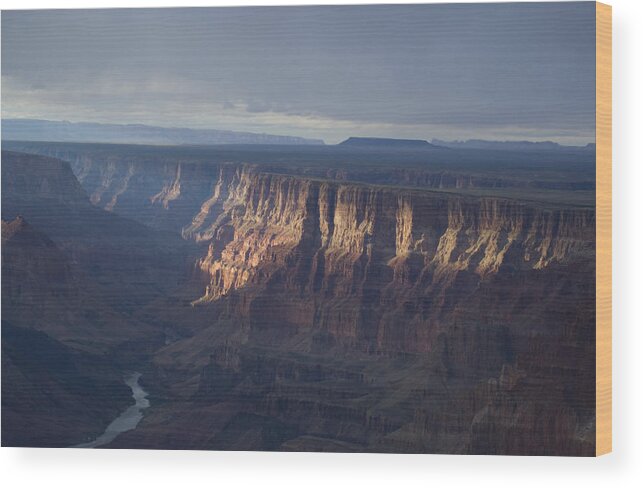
457 140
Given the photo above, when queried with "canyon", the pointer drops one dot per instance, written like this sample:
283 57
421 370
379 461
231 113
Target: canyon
344 298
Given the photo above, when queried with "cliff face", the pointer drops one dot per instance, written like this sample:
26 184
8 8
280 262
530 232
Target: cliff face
45 289
132 263
166 188
37 279
72 277
328 315
165 195
373 267
489 300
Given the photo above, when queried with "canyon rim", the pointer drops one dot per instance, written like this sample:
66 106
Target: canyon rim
332 228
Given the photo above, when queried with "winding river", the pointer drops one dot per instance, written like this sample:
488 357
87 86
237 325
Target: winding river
128 420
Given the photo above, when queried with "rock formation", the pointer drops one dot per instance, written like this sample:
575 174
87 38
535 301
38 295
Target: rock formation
449 310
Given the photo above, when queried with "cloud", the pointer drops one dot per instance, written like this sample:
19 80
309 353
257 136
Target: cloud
505 71
129 103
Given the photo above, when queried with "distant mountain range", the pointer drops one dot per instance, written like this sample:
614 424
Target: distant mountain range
380 142
63 131
509 145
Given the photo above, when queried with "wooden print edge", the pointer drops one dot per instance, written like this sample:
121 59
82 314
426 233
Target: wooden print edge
603 229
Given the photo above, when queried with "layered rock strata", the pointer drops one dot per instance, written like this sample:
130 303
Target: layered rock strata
330 315
376 267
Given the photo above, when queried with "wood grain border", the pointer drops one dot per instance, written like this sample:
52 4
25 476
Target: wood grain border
603 229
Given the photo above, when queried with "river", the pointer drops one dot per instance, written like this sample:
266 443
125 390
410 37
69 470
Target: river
128 420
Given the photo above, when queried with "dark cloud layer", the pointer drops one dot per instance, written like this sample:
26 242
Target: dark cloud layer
512 70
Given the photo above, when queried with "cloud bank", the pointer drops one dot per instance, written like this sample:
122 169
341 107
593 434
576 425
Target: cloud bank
495 71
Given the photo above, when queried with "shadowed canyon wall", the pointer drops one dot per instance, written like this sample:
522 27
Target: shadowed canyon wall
325 314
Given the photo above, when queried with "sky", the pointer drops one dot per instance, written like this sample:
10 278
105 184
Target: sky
449 71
